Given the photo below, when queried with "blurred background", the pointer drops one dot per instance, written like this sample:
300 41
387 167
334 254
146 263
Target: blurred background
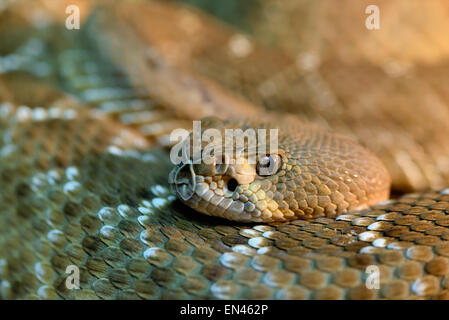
315 60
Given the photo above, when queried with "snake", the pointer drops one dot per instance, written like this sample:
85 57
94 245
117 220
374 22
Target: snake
314 173
84 185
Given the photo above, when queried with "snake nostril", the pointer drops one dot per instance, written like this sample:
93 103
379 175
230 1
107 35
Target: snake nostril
232 184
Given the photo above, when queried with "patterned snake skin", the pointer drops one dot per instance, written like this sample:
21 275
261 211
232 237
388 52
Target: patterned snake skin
84 183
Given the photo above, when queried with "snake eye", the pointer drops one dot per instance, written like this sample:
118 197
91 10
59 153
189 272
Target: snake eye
221 166
268 165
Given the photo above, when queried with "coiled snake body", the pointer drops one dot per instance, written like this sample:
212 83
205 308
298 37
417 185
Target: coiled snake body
83 185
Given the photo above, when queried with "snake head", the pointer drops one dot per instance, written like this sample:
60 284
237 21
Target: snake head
225 183
312 173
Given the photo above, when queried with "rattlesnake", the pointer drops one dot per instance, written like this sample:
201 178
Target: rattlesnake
312 173
84 188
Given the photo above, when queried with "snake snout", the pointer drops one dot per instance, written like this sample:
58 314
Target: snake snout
183 180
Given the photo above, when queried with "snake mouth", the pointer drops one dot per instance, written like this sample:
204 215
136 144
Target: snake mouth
183 180
196 192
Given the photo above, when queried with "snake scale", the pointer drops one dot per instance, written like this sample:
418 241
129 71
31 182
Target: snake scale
83 174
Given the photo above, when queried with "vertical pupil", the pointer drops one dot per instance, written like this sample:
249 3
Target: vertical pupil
266 162
268 165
